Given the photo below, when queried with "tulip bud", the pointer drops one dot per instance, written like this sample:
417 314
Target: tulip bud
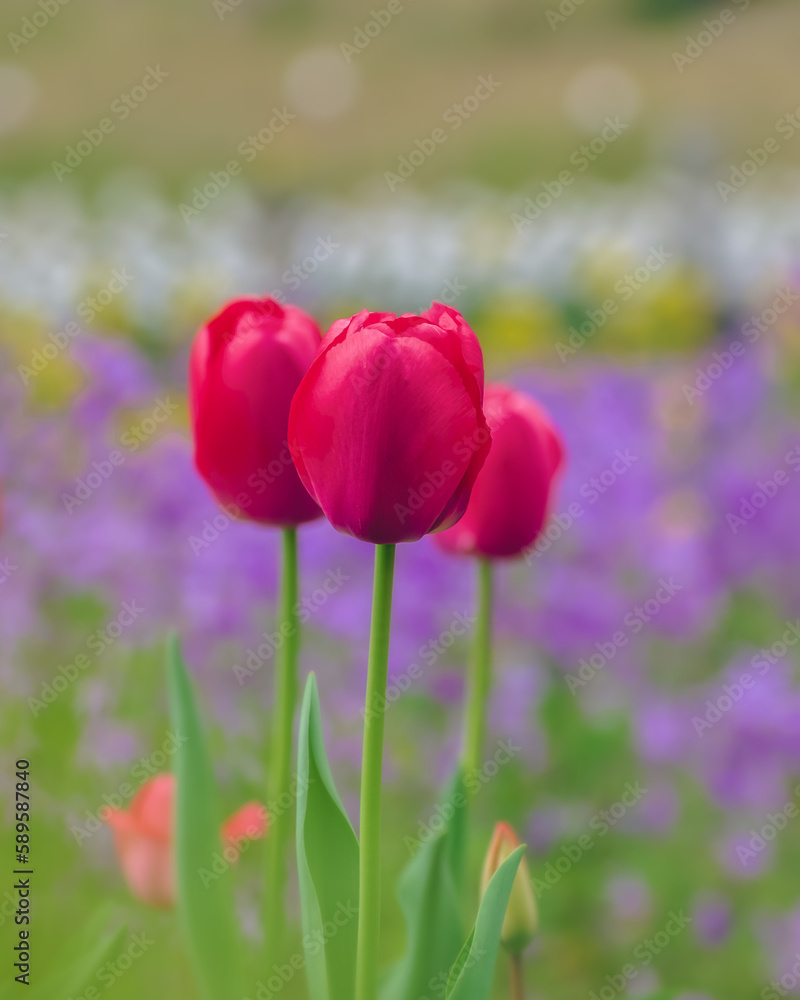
521 918
388 426
245 365
510 500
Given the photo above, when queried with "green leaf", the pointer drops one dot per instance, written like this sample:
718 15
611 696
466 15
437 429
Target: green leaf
474 968
457 829
87 953
327 864
205 899
429 898
459 963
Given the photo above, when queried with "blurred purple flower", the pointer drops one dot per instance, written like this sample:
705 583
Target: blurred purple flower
712 916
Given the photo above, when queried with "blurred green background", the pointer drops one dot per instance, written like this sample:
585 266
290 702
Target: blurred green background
229 67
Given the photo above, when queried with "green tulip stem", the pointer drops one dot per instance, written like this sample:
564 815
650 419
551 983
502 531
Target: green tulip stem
369 889
479 676
279 772
517 979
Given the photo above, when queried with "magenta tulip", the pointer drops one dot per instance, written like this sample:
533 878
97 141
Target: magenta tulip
511 496
387 426
245 365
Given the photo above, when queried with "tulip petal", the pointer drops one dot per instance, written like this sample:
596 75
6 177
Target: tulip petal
244 368
510 499
383 449
451 319
120 820
251 822
148 868
152 807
